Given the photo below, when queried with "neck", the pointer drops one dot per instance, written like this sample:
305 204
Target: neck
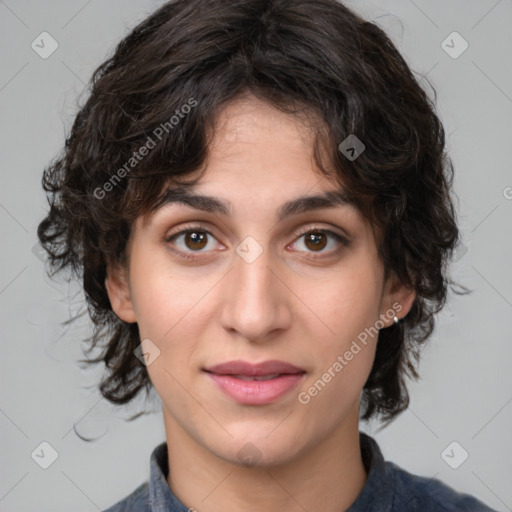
331 473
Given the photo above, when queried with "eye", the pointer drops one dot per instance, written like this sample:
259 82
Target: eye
191 239
316 239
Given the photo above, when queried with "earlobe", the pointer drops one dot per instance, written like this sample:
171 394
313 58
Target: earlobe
403 300
118 290
400 298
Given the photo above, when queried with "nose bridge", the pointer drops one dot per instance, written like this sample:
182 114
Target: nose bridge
255 304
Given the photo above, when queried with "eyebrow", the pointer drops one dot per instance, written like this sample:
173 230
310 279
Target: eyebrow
215 205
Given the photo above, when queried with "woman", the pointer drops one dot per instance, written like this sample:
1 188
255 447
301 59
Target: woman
257 197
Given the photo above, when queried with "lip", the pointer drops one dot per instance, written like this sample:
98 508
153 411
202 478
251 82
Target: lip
253 370
255 392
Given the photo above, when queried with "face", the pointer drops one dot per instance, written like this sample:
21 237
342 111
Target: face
241 283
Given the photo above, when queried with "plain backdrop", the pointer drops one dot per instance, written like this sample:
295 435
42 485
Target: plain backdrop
465 392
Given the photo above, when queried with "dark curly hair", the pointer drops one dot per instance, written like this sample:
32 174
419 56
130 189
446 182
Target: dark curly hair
163 88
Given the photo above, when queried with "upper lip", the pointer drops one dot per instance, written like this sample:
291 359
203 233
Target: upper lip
253 370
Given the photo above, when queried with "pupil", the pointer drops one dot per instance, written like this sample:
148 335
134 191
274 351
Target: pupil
314 238
196 239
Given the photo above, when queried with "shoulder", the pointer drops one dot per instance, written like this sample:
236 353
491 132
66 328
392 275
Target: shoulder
137 501
424 494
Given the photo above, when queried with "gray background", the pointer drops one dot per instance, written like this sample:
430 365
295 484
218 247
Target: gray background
465 392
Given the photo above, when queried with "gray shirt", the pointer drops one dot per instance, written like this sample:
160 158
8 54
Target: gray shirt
388 488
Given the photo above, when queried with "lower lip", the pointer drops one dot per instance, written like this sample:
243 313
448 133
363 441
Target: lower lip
256 392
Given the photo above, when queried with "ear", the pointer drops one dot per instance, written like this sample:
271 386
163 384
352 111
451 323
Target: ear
397 297
118 291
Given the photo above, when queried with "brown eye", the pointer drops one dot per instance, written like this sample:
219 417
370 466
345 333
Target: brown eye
195 240
319 243
190 240
315 240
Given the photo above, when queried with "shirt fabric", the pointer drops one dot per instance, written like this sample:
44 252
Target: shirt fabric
388 488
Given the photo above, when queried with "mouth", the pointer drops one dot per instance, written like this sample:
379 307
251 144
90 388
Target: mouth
266 369
261 377
255 384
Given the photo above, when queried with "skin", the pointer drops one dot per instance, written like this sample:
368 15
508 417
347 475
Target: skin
284 305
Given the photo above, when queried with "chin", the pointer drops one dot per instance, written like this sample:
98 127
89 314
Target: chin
258 451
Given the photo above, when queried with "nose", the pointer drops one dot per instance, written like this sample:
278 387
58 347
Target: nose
256 299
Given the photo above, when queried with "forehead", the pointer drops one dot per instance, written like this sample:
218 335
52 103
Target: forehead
249 133
249 119
257 150
259 158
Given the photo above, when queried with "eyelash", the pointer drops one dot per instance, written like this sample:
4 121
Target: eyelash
197 227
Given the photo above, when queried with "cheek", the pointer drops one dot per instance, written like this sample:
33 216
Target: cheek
162 299
346 336
349 301
343 363
170 312
332 393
